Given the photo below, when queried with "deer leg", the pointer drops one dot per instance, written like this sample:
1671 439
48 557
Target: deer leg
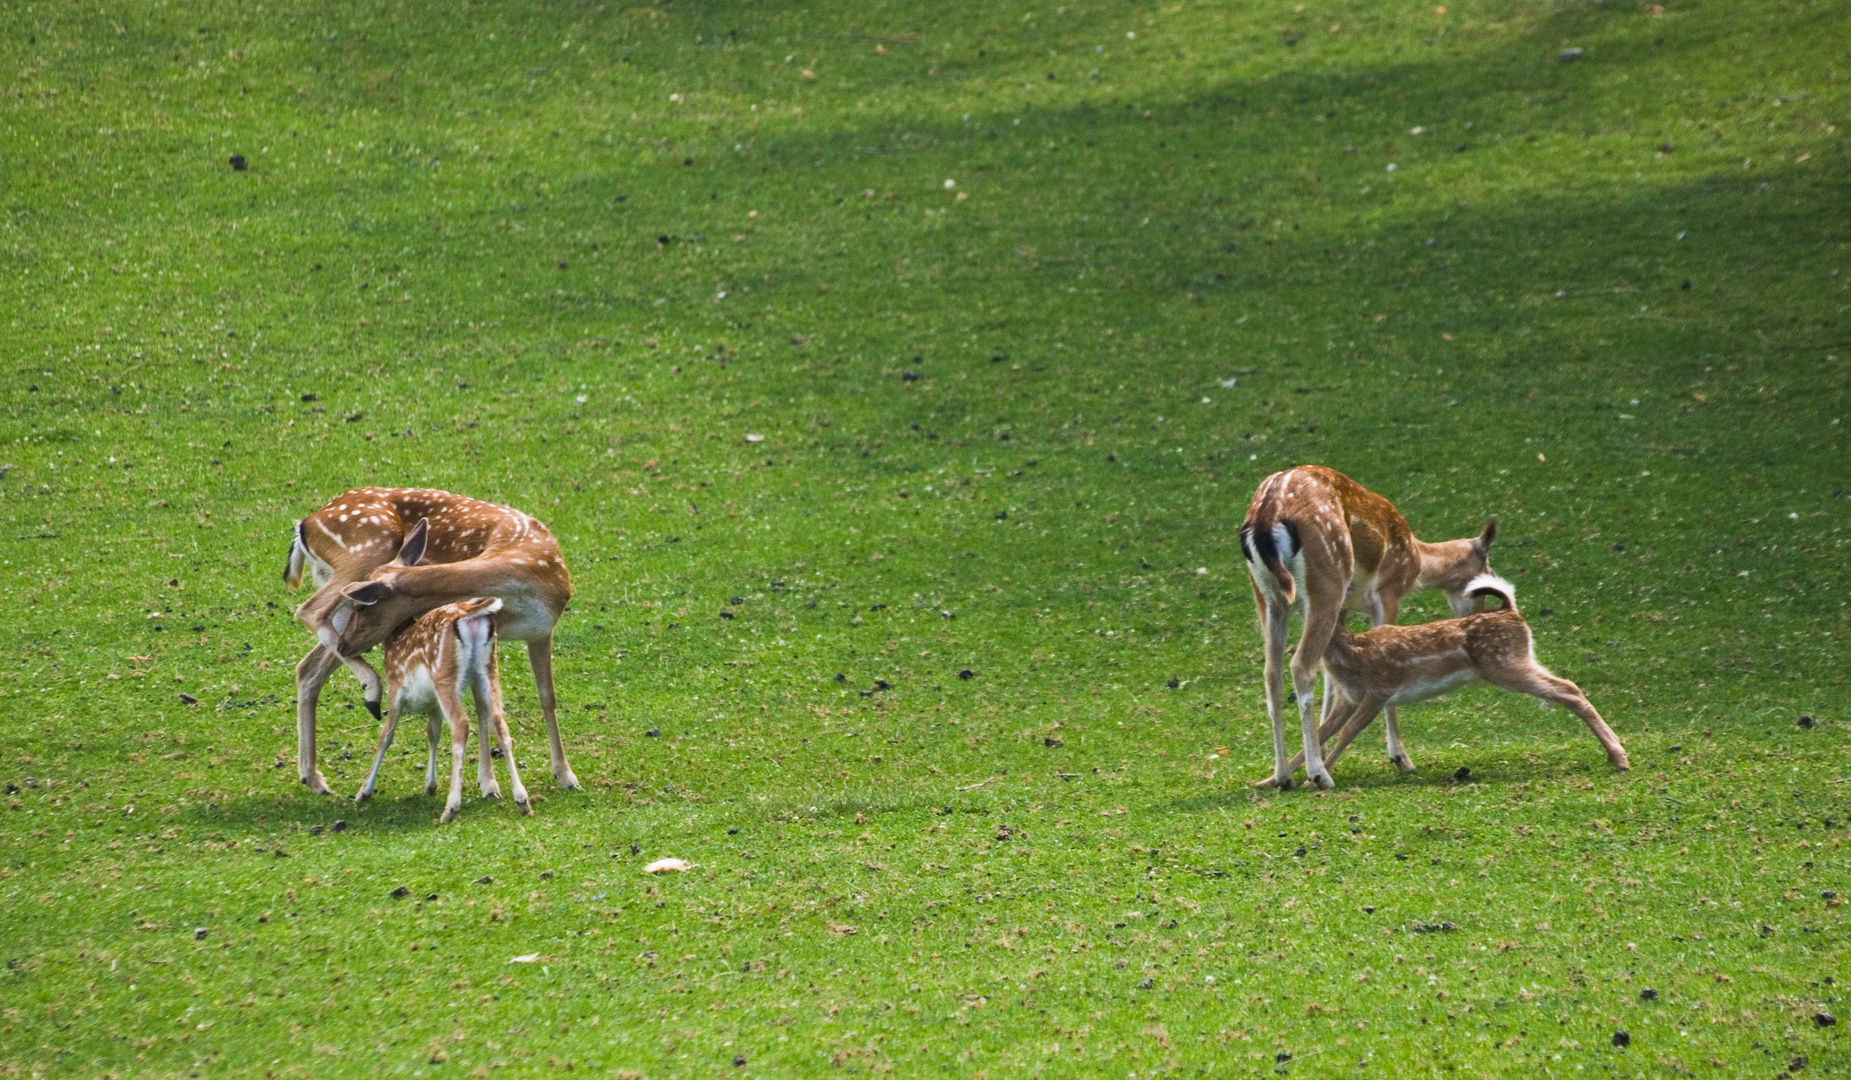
311 674
433 735
485 742
1382 611
540 655
458 719
1273 624
1321 617
1344 711
1539 682
386 730
488 710
1360 717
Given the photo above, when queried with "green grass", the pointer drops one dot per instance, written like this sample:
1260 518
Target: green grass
492 242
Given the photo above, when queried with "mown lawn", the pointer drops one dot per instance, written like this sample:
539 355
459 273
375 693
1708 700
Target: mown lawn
895 378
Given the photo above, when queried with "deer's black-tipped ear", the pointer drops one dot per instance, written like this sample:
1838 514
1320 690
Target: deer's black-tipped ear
411 552
1490 534
366 593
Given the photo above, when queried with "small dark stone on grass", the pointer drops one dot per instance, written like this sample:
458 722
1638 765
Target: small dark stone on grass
739 1061
340 825
315 830
311 396
1300 853
1463 773
1824 1019
1666 148
732 832
1805 721
400 893
1369 909
238 164
188 699
1282 1057
1828 894
1173 683
431 899
967 673
882 684
562 264
1648 994
653 733
1147 984
841 677
281 854
1052 742
1620 1038
199 934
485 880
1401 857
634 850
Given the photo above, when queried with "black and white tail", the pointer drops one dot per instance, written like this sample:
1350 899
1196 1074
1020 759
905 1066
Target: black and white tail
1492 585
1270 545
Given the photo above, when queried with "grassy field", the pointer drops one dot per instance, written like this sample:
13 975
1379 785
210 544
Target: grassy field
731 296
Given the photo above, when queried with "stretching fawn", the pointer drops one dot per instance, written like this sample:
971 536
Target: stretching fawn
1316 539
429 664
1404 664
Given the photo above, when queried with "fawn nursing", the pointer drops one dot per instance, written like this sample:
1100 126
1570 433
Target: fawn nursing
429 665
1403 664
1317 539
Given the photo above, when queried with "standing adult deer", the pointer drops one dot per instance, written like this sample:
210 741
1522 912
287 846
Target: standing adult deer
1316 539
383 556
1407 664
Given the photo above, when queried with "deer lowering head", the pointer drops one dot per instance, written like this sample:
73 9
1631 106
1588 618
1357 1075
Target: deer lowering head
1317 540
383 556
1401 665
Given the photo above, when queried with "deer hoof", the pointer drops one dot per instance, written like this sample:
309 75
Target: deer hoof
525 807
1402 762
568 782
449 814
1323 781
317 784
491 793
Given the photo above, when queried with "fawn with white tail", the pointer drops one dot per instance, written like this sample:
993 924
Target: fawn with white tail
1392 665
383 556
429 664
1316 539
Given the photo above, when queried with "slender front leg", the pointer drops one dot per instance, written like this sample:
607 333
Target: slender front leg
1274 625
489 714
540 655
386 731
458 724
311 674
1344 722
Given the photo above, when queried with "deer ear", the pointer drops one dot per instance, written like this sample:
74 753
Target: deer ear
411 552
366 593
1490 534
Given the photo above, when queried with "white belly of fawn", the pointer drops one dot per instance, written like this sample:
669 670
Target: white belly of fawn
429 665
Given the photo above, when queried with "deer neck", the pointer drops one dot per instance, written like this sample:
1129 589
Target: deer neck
1448 562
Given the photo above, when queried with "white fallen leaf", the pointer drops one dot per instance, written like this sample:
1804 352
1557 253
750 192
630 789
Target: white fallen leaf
525 958
755 438
668 866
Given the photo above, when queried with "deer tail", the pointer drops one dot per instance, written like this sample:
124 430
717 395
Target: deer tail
1269 544
298 558
1485 585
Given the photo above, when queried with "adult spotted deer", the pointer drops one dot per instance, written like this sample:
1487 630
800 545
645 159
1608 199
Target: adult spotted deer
381 557
1316 539
429 664
1393 665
